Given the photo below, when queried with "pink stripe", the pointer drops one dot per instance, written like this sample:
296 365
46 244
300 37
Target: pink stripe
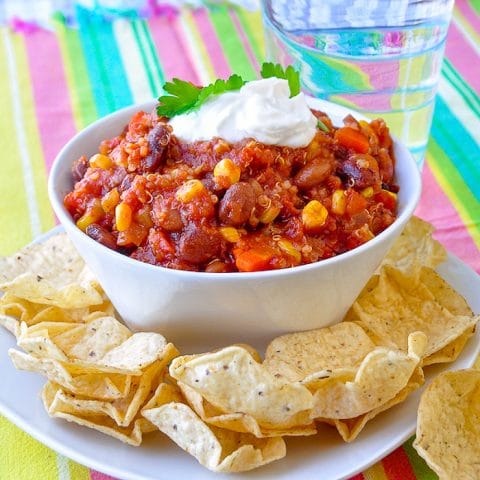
211 42
436 208
171 51
245 41
466 10
94 475
463 57
50 92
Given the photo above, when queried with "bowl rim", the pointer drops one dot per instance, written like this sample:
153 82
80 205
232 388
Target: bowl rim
67 221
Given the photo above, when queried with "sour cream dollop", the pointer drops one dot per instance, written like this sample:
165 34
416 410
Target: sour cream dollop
261 109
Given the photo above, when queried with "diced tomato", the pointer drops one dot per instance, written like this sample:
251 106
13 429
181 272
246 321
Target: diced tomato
355 203
388 199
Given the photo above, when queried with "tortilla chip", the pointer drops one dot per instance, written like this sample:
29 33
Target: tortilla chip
238 422
415 247
52 396
50 273
122 410
298 355
10 323
394 304
216 449
232 381
346 393
448 427
349 429
93 384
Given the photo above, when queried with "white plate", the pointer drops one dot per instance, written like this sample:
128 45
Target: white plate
159 459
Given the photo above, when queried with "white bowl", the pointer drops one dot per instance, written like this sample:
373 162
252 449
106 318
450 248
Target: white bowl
199 310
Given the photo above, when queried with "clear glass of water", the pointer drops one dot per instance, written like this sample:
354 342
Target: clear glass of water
382 58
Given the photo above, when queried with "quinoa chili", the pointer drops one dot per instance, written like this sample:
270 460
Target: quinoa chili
218 207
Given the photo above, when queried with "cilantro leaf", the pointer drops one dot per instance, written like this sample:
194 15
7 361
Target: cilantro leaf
185 96
290 74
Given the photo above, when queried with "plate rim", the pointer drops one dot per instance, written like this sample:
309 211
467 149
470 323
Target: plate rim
110 469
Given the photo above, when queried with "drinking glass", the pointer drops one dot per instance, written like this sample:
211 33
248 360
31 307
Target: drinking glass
380 57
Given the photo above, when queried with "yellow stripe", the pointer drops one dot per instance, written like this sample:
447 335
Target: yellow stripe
254 20
375 472
32 134
78 472
14 214
22 457
197 46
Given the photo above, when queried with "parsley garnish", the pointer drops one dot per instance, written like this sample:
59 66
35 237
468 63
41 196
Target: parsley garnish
183 97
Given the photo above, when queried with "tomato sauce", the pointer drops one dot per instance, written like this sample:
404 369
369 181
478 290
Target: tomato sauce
219 207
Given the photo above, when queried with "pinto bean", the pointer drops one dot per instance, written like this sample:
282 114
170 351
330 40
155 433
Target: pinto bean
362 170
198 244
158 140
101 235
79 167
237 204
312 174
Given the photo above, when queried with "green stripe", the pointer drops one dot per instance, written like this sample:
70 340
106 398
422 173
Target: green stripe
231 44
159 76
78 80
141 48
475 4
463 88
452 183
252 25
420 468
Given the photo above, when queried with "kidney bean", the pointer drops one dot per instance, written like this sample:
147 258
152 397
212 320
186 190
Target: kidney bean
79 167
101 235
237 204
158 140
362 170
198 244
312 174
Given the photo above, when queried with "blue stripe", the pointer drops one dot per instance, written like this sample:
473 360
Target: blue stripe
458 145
106 70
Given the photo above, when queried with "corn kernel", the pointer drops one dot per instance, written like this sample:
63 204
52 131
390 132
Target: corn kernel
367 192
110 200
269 215
92 215
123 216
314 214
289 249
84 221
230 234
339 202
189 190
100 161
227 169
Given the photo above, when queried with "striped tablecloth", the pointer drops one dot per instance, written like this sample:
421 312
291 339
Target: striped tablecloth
54 83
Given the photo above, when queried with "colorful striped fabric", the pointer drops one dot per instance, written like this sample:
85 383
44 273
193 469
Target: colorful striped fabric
53 83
